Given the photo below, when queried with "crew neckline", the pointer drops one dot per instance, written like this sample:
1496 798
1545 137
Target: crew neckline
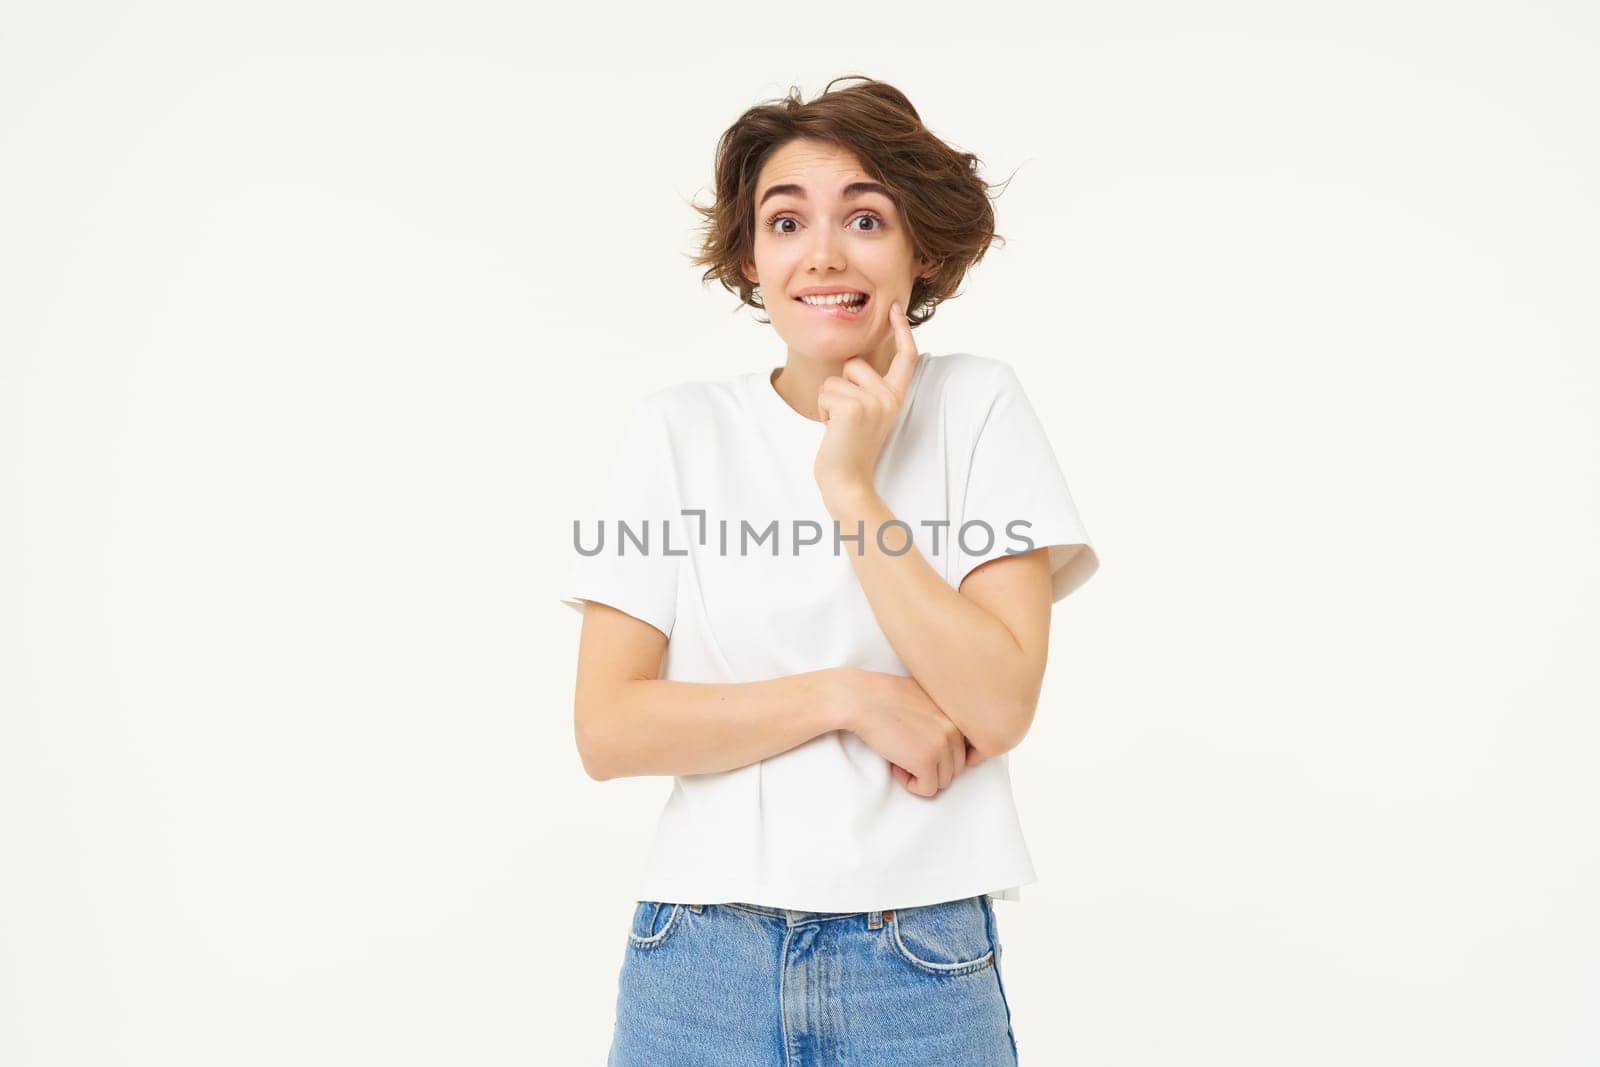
778 407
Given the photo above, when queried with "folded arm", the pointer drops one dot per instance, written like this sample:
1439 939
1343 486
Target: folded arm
979 651
630 721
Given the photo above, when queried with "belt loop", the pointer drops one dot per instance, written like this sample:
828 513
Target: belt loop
696 908
874 920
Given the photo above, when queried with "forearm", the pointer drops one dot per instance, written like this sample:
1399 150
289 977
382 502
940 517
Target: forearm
964 657
655 726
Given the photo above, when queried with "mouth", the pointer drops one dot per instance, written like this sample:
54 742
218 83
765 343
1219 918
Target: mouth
847 312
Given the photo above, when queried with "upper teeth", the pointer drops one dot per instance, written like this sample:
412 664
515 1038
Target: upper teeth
835 298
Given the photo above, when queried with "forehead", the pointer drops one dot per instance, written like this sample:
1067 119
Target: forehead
819 166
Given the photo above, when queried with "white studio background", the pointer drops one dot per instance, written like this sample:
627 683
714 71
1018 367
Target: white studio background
320 322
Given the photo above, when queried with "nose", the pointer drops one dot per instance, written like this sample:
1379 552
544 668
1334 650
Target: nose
826 250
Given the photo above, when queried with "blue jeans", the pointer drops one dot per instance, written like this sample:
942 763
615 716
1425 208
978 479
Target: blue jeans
708 985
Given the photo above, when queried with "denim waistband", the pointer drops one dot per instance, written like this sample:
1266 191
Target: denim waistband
795 917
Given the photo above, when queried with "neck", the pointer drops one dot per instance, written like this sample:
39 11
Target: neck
801 377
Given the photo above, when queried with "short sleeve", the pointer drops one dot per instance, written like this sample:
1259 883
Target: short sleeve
627 548
1015 490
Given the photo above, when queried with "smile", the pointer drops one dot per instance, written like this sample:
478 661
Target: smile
837 310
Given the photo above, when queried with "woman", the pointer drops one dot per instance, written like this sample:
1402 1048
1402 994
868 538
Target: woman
834 707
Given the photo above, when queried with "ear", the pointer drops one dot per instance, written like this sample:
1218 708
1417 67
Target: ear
748 269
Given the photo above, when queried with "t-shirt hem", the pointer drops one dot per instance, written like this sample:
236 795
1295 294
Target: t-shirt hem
628 605
816 898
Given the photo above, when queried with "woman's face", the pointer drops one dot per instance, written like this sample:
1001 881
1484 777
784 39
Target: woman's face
813 230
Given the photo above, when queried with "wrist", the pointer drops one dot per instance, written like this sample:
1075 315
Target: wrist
846 497
840 696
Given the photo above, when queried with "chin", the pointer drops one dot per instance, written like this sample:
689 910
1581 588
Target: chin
828 353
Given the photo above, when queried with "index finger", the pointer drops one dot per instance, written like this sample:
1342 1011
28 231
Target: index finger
905 352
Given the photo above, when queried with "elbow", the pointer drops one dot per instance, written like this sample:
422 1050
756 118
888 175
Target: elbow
1006 723
599 718
1020 719
996 743
1007 729
594 768
596 763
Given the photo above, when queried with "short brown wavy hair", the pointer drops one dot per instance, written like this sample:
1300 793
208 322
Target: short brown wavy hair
945 204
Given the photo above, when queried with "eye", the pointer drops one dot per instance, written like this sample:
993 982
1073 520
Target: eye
873 215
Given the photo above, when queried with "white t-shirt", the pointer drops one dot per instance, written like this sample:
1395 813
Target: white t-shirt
823 826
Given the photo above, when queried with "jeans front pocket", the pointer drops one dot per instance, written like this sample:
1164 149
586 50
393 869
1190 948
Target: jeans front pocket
654 923
948 939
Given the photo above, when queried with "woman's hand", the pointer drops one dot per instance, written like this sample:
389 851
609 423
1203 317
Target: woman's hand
860 409
897 719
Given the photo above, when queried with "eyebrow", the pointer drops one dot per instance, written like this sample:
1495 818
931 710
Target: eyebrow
849 192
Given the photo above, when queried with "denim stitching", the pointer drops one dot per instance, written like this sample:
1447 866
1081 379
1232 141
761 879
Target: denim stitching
777 913
965 967
754 910
655 939
783 1016
991 924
